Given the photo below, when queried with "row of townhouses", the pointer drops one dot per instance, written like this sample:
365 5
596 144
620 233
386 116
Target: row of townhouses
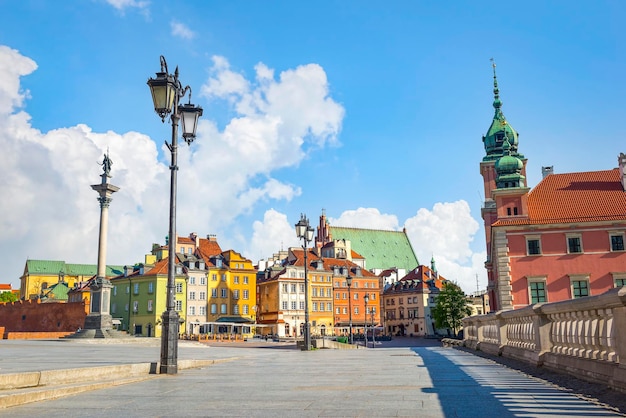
222 293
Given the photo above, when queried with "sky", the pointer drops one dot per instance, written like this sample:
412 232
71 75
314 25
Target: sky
370 111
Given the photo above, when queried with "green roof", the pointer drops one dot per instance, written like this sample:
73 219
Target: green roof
54 267
381 249
57 291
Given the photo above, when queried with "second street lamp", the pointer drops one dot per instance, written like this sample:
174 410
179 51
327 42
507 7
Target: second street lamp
366 299
305 232
349 283
167 92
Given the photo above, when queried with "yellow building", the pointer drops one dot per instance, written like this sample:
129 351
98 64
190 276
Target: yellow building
41 274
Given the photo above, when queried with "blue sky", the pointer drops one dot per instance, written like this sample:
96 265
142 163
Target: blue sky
372 111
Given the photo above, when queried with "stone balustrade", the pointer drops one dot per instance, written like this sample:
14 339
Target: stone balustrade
585 337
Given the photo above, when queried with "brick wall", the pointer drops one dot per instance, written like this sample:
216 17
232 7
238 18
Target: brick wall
33 316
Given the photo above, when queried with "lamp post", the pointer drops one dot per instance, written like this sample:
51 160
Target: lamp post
167 91
349 283
305 232
366 299
373 329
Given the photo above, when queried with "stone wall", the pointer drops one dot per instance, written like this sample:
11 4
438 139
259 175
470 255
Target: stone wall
35 317
584 337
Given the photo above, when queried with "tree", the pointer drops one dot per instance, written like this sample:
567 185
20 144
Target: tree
7 297
452 306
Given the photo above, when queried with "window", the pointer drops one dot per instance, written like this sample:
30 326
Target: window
314 306
136 306
345 310
236 294
127 289
374 296
202 295
223 277
301 288
537 291
301 304
114 290
337 295
179 305
245 280
236 279
192 280
580 288
214 292
329 306
293 288
619 279
136 288
224 293
245 309
202 310
356 310
400 301
293 304
329 292
214 308
114 307
356 296
179 287
192 295
574 244
314 291
533 246
321 306
285 305
202 280
192 310
214 277
617 242
126 308
223 308
246 294
235 309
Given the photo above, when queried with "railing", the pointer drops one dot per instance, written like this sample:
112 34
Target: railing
585 337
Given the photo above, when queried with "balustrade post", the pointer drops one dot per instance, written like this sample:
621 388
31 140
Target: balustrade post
543 326
502 335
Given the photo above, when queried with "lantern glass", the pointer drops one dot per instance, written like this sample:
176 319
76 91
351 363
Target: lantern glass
189 115
163 89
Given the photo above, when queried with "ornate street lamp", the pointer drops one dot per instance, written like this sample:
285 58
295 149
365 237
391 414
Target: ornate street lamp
305 232
349 283
167 92
366 299
373 328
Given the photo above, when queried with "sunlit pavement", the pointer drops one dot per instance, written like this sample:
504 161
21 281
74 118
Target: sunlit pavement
423 381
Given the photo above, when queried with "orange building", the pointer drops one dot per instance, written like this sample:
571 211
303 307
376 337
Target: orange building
563 239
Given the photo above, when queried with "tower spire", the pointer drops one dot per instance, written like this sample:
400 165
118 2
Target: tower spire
497 103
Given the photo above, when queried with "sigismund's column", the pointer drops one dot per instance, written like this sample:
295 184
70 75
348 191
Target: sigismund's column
99 317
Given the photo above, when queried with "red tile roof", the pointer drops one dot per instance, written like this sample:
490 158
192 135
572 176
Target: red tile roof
590 196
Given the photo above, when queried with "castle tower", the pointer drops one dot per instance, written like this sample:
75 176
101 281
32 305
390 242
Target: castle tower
503 170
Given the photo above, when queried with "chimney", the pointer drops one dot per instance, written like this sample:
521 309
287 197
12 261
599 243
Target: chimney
546 171
621 163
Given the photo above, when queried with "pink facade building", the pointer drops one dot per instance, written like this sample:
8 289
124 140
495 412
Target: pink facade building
563 239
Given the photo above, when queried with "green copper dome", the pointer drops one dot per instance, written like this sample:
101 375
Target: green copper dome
499 129
509 168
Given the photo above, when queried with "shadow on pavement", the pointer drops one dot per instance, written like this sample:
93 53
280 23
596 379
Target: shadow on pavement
468 386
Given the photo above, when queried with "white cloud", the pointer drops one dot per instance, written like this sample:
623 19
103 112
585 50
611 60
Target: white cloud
446 233
54 214
122 5
368 218
181 30
272 234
